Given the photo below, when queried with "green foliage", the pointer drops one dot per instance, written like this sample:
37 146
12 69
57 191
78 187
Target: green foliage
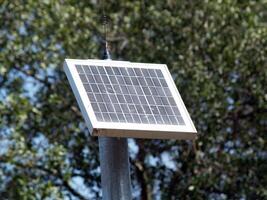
216 49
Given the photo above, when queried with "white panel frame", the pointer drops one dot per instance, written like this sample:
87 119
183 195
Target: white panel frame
134 130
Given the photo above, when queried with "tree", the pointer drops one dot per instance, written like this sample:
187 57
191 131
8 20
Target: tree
217 51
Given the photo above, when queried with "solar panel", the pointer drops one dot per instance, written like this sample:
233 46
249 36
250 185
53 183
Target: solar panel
125 99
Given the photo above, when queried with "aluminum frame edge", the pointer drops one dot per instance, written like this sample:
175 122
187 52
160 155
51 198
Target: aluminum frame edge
78 97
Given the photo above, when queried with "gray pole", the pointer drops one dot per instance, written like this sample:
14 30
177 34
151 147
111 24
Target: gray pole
114 164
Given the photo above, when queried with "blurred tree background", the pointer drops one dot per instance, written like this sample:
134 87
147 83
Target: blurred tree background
217 50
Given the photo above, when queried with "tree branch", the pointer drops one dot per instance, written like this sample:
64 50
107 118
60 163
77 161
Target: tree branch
54 173
141 172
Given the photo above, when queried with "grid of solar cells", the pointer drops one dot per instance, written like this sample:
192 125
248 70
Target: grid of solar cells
129 95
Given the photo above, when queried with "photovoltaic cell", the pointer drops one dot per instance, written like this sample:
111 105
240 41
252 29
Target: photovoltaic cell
129 95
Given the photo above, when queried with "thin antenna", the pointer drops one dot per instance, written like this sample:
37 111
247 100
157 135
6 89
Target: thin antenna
106 54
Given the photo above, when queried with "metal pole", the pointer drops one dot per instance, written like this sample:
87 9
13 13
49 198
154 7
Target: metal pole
114 164
115 173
